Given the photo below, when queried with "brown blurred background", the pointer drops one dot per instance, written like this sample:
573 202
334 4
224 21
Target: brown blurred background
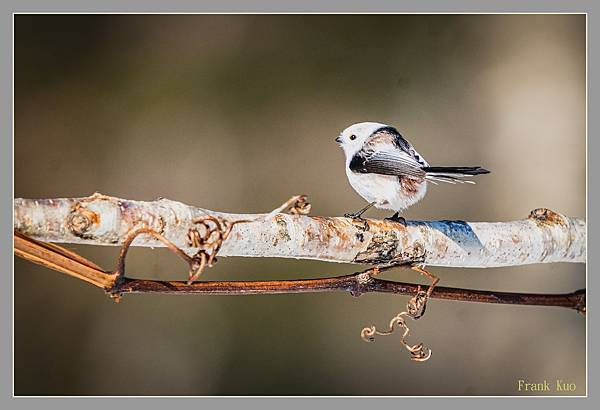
237 113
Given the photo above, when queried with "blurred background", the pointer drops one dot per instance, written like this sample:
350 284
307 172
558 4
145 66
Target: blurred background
239 112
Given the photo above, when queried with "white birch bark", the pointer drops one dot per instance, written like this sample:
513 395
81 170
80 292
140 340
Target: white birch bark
544 236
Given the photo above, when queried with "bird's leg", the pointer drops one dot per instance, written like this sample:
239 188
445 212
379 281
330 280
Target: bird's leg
396 218
357 216
420 300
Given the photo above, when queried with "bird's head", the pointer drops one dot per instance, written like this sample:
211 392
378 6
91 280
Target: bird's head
353 138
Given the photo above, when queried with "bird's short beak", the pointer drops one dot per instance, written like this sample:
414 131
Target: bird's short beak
338 140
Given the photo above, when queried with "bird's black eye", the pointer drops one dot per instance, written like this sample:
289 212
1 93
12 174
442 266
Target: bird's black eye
352 137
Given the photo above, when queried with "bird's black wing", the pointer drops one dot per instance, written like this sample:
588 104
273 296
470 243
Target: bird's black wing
386 162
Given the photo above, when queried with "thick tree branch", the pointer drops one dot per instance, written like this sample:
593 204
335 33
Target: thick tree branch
544 236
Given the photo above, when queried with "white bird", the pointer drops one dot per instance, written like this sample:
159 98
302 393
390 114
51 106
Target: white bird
388 172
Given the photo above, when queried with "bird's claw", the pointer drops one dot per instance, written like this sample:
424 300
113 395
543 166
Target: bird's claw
359 219
396 218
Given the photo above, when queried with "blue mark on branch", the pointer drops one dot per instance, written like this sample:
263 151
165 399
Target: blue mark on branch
460 232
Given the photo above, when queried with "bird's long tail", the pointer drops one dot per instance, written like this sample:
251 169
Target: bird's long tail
453 175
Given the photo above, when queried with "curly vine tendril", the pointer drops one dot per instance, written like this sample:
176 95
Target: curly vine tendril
211 232
415 310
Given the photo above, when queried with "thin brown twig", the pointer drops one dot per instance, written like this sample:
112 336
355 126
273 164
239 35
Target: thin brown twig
62 260
356 284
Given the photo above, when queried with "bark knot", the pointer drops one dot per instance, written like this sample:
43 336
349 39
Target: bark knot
80 220
547 217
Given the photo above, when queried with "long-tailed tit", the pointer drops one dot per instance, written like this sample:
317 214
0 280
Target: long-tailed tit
388 172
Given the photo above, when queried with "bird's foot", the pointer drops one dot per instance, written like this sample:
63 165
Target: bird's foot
353 215
396 218
356 217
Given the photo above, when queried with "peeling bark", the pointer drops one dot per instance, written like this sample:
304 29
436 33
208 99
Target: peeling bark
545 236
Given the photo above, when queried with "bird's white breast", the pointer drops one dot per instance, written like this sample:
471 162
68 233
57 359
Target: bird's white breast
385 190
